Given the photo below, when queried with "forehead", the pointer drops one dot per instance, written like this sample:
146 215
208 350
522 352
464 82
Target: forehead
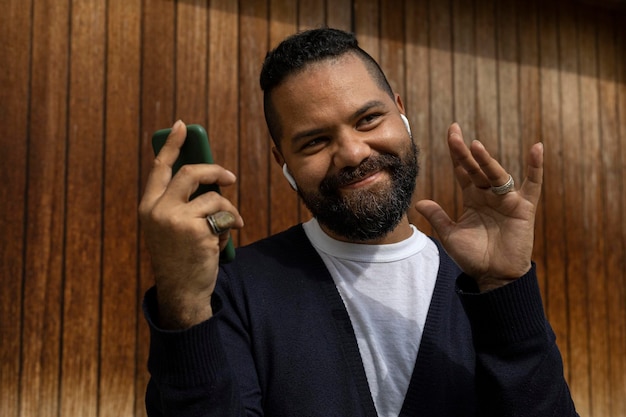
332 87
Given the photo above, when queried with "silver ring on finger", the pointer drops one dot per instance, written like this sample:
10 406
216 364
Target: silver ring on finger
504 188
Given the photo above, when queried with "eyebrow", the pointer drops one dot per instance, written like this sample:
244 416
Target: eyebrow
358 113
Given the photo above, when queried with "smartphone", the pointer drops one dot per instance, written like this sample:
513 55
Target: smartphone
195 150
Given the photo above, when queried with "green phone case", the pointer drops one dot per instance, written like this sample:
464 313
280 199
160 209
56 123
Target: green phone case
195 150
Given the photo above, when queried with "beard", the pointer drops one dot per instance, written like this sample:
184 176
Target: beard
368 214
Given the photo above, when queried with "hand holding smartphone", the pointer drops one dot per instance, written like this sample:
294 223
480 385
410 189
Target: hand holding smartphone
195 150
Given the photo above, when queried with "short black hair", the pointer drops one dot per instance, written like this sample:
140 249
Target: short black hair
297 51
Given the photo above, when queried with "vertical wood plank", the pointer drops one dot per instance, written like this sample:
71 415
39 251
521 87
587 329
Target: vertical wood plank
392 43
530 118
255 146
464 64
157 111
508 88
486 76
191 61
417 99
284 202
464 72
618 309
118 338
573 173
441 107
311 14
283 21
613 186
555 290
366 26
223 89
41 336
15 27
83 223
339 15
593 212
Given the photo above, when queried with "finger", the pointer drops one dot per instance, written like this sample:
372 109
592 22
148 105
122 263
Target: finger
531 188
161 172
494 172
189 177
467 169
213 204
436 216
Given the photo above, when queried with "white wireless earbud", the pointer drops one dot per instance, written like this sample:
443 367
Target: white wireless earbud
290 179
406 124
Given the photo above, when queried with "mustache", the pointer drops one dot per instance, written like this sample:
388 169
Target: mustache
331 184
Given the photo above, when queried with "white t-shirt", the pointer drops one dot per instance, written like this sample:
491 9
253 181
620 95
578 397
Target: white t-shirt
387 291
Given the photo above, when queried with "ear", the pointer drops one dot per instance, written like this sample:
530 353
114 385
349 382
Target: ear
278 157
399 103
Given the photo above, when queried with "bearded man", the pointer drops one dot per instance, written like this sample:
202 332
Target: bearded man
355 312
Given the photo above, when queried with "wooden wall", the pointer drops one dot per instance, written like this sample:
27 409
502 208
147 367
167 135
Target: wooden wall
83 84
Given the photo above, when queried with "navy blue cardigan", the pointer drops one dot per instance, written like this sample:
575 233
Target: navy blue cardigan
281 344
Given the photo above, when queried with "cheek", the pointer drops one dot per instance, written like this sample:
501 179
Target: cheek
310 174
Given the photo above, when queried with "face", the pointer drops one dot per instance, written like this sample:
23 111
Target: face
347 148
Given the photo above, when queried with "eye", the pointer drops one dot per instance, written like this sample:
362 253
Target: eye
369 121
314 144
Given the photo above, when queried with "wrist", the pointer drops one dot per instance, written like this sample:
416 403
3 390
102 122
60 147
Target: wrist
489 283
179 310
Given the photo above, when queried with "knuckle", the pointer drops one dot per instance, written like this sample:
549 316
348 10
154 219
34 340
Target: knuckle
158 163
186 170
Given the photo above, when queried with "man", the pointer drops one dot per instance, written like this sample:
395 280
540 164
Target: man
356 312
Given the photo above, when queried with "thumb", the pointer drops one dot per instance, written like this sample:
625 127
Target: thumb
435 215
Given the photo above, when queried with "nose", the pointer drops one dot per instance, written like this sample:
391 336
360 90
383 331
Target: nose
351 148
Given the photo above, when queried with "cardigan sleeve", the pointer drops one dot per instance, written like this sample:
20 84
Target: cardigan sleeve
519 369
189 371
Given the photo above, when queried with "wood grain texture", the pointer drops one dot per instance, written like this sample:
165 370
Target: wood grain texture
553 199
530 113
487 77
367 26
612 290
417 99
573 174
157 101
255 157
118 332
340 15
82 295
15 27
617 315
41 332
593 190
85 84
441 103
284 202
464 73
223 89
311 14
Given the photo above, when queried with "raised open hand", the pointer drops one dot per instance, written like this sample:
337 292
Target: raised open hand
492 241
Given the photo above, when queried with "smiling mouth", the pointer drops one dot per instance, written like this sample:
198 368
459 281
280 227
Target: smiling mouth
362 180
367 174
